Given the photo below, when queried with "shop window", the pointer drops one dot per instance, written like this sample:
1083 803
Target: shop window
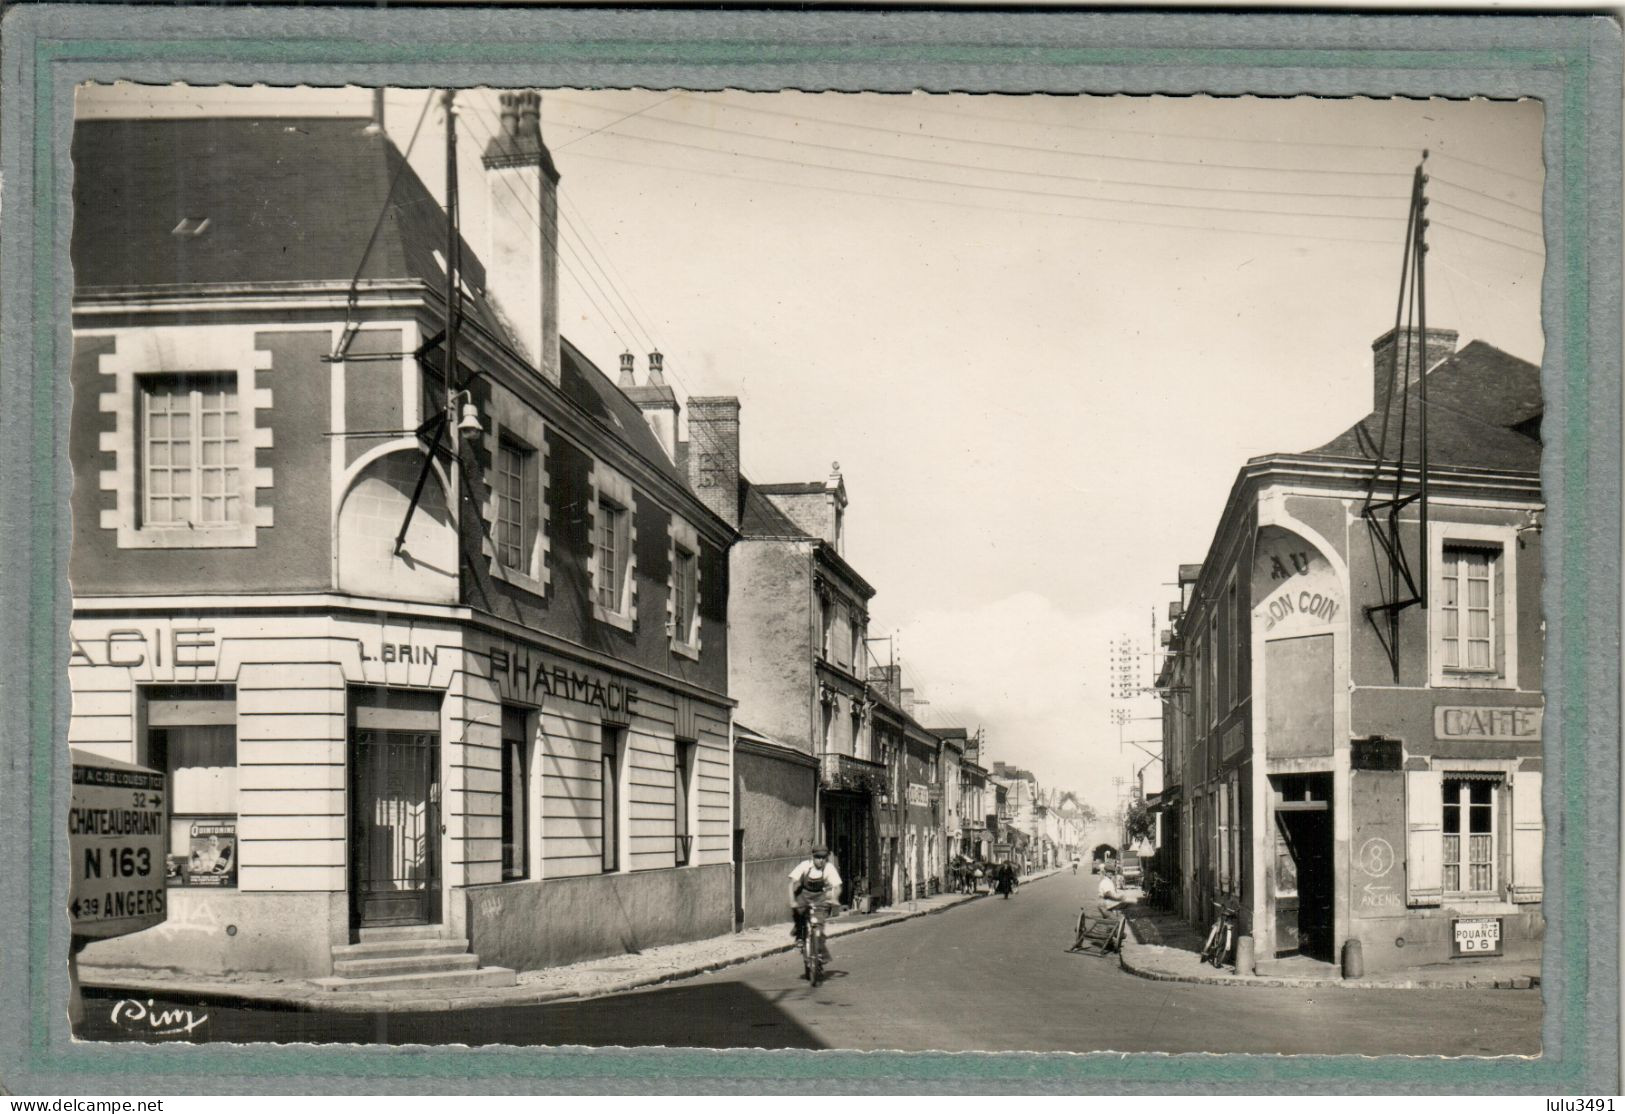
609 797
192 737
683 786
515 794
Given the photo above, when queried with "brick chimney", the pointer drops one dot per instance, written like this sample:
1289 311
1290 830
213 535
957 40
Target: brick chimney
658 402
1438 345
713 454
521 253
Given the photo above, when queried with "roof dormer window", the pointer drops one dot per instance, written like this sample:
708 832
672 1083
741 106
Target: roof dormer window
191 226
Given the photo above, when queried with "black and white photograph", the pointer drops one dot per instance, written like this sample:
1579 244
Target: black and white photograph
798 570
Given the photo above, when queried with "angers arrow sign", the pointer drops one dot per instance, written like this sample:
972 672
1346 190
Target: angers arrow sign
116 828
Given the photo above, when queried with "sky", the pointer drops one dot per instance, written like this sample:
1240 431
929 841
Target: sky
1040 335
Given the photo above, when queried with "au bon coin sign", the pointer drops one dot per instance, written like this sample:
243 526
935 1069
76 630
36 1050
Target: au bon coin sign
116 829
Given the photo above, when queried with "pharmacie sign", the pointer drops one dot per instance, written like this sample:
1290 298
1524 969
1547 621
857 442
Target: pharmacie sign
116 829
523 675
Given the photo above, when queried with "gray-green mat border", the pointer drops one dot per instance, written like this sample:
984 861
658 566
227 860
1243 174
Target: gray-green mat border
1572 63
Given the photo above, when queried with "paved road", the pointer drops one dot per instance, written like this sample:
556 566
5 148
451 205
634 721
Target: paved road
991 975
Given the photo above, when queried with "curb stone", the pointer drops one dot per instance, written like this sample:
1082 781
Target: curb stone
1219 978
297 998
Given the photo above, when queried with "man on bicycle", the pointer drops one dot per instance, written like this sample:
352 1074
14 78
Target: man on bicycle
814 884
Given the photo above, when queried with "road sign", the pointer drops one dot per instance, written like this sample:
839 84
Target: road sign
116 828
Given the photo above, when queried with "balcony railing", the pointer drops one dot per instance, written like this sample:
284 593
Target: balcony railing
843 771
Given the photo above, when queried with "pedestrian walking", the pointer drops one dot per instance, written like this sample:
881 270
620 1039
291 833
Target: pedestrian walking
1007 881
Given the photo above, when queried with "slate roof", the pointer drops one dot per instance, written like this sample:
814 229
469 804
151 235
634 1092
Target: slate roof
792 489
287 200
1474 398
585 383
759 517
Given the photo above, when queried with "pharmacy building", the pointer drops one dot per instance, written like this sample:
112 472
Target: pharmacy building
415 610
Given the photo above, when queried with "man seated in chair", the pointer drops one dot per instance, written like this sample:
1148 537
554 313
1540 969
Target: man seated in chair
1108 907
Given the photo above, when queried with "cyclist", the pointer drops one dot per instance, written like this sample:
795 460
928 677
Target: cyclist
814 882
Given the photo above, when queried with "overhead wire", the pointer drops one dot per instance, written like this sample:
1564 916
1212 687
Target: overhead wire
670 370
969 168
1202 164
648 335
915 105
480 114
473 118
734 177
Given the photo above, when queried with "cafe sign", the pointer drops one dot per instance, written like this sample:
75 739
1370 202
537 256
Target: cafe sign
919 794
1295 589
1487 724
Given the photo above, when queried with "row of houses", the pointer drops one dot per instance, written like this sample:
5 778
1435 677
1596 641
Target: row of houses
444 634
1352 690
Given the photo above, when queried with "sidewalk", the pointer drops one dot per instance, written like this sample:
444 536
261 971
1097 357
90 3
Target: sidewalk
589 979
1163 947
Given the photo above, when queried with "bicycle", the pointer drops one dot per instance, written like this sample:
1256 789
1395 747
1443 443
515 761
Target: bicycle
1221 938
812 941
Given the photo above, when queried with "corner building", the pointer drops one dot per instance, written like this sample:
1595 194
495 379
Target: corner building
1344 777
509 729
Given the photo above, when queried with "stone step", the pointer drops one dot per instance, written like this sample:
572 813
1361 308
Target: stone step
404 932
372 949
484 976
403 965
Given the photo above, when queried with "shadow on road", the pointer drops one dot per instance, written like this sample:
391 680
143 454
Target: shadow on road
713 1015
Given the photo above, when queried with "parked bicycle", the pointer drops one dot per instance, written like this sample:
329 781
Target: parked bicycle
1221 938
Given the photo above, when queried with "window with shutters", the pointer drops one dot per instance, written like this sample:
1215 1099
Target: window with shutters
1473 835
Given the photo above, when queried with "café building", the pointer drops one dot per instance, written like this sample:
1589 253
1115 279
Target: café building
1355 688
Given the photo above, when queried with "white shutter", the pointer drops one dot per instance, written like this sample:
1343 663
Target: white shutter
1527 836
1424 812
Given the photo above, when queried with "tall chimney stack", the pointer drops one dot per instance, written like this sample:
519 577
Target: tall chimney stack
656 400
521 255
713 454
1438 345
